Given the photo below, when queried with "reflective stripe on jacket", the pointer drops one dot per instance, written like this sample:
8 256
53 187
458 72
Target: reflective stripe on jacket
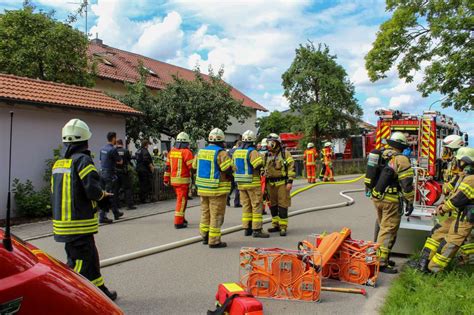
75 187
210 162
310 156
178 166
247 163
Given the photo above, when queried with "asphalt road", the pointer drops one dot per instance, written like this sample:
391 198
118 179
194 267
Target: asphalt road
184 280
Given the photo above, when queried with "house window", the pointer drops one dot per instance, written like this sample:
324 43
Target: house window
151 72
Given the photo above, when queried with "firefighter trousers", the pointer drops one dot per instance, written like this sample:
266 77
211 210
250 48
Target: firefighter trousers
454 240
311 173
181 191
212 217
388 217
280 201
328 172
82 256
252 208
437 238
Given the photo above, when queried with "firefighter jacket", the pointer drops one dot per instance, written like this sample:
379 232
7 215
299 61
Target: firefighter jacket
462 198
178 166
247 163
213 165
451 175
75 187
310 156
396 179
279 167
326 156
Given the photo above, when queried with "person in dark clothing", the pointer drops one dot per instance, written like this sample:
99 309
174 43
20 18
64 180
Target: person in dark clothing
234 187
76 193
145 169
109 159
124 180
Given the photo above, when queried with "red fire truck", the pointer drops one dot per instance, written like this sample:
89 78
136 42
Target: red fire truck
425 134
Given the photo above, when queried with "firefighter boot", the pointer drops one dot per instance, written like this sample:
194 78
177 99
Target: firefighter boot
388 269
205 239
260 234
117 214
180 226
424 260
248 231
110 294
218 245
103 218
275 220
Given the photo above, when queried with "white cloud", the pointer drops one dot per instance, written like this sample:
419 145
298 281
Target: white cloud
402 101
155 38
161 39
373 101
275 102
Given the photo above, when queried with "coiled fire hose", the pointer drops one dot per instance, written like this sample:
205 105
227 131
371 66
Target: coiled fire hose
196 239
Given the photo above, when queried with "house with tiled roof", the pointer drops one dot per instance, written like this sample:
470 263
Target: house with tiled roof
116 66
41 108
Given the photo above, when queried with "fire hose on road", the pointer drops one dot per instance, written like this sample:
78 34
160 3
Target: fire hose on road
196 239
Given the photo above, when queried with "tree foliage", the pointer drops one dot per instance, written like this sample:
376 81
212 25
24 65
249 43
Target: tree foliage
138 96
195 106
318 88
433 32
277 122
35 45
199 105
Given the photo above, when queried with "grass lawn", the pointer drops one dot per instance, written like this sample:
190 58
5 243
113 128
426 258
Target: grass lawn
450 292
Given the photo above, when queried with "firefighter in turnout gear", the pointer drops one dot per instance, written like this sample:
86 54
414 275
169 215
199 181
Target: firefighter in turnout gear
326 156
76 192
460 204
178 173
394 184
453 174
213 180
279 171
247 164
310 156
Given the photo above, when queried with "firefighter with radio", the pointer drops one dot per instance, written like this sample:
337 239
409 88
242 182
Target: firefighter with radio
460 203
309 160
213 180
326 157
393 187
452 174
279 171
76 192
247 163
178 174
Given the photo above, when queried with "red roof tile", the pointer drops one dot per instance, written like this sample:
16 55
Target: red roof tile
124 66
60 95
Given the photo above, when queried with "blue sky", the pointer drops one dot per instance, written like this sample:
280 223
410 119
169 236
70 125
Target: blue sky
254 41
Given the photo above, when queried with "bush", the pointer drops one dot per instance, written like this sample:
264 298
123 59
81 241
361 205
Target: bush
29 202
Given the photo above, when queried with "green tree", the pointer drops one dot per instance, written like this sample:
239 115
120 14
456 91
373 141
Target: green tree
151 123
35 45
277 122
199 105
318 88
433 32
195 106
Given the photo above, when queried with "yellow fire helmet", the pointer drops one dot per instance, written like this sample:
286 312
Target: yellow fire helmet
398 141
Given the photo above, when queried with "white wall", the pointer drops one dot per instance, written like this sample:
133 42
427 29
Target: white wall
36 132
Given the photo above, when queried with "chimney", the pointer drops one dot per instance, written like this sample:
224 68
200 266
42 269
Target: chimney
97 40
